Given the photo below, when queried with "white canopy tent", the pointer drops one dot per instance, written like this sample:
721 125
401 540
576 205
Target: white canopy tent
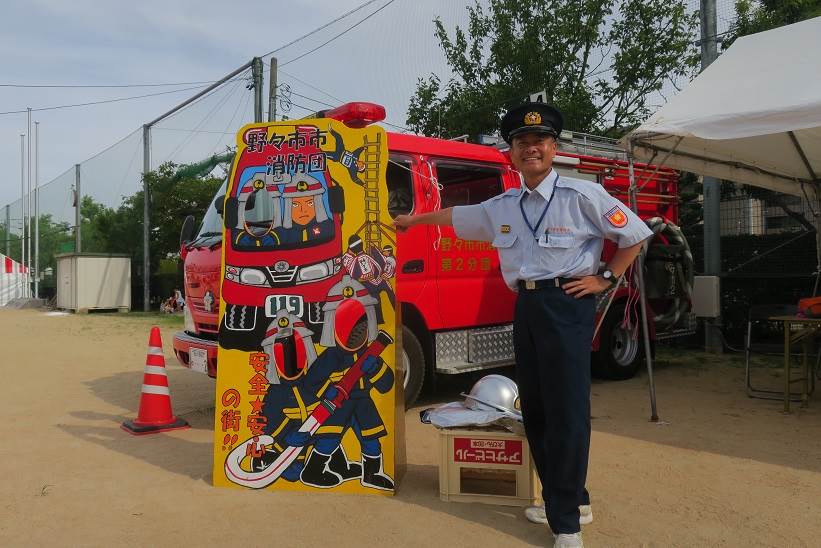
753 116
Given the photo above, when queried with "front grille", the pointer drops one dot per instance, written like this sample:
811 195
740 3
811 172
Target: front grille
207 328
282 278
197 304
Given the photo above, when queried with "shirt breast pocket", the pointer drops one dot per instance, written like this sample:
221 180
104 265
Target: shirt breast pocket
505 245
557 241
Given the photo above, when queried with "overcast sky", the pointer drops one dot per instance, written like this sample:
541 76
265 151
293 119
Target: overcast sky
116 42
92 42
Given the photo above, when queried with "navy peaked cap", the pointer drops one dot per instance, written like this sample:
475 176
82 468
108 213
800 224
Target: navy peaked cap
531 118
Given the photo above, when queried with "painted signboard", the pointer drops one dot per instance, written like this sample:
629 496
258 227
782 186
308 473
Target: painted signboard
306 395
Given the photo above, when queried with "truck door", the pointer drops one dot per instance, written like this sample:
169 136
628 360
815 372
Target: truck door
412 259
469 282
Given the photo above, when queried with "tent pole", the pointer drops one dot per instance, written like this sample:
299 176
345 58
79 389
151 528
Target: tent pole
648 354
816 213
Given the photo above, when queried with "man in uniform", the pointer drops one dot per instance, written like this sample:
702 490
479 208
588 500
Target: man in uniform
549 234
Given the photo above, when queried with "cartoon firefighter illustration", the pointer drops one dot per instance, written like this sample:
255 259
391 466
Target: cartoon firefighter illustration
290 397
259 232
305 217
353 326
368 270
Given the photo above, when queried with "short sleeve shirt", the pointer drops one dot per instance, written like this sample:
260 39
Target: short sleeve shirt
556 230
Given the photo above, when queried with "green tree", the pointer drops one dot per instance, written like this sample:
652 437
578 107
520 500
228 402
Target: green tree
598 60
176 191
756 16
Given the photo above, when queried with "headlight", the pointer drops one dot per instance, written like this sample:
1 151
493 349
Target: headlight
316 271
188 319
252 276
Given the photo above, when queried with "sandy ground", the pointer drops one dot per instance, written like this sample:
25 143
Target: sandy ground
721 470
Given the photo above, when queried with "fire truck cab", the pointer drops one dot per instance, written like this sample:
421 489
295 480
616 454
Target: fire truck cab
456 310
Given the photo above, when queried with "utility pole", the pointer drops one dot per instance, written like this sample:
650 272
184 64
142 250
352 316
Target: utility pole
78 197
36 210
8 230
28 204
272 91
712 187
146 213
257 72
23 198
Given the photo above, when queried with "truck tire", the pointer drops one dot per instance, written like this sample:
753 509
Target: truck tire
414 358
619 356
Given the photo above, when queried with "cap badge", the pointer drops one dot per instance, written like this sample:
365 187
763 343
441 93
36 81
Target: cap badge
259 184
533 119
347 292
302 186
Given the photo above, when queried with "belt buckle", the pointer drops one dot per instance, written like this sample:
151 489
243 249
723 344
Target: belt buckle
530 284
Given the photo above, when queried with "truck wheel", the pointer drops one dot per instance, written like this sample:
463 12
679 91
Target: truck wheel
414 362
619 355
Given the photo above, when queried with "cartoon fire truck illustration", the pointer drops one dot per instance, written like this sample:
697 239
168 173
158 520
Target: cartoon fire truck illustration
283 219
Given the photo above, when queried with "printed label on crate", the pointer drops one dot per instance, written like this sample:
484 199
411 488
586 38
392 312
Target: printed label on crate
487 451
305 384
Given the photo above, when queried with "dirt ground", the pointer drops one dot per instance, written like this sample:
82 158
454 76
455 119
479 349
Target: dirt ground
720 470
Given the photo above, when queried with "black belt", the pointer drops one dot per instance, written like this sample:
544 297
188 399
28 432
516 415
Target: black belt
541 284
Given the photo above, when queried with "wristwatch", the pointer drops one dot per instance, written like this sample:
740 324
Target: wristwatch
609 277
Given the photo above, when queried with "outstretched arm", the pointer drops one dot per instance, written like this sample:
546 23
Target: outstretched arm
441 217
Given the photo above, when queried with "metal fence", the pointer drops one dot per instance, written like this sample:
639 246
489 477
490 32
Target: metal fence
208 125
768 254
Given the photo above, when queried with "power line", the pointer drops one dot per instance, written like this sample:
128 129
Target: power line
340 34
104 85
326 25
310 85
102 102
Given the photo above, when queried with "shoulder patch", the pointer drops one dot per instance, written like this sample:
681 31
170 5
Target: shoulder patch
616 217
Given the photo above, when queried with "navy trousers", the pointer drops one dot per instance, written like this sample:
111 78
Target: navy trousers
552 332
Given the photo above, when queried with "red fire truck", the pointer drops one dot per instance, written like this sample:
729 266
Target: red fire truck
455 308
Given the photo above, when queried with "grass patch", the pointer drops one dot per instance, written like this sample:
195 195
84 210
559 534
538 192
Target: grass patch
158 318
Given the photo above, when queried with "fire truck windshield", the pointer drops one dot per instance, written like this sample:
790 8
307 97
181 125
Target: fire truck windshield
211 226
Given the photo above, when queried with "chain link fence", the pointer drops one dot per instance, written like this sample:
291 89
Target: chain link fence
768 254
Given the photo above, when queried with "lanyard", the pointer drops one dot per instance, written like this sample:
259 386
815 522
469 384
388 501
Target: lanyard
534 229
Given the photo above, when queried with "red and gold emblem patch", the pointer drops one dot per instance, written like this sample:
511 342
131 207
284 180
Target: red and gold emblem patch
616 217
533 118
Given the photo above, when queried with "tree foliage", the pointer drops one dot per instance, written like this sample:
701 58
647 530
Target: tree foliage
599 61
109 230
757 16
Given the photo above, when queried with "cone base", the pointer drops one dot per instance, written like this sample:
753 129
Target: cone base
132 427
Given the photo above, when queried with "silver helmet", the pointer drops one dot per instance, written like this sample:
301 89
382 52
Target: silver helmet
494 393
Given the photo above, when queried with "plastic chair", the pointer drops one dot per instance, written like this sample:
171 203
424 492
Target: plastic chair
759 316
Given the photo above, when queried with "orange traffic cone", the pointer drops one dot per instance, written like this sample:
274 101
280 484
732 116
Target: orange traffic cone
155 402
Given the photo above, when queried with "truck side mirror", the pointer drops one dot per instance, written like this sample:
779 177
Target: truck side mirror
219 204
336 199
231 215
187 231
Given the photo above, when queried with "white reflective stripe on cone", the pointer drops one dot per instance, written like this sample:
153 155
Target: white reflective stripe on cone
155 351
155 370
151 389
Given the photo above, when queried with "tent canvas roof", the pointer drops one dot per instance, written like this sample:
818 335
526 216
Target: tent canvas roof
753 116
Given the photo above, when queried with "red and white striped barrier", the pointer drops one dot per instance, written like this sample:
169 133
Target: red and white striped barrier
12 280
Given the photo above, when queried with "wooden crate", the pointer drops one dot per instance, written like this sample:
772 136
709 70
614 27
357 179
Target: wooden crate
489 466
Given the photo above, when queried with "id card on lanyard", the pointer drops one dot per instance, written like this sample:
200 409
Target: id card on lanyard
534 229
